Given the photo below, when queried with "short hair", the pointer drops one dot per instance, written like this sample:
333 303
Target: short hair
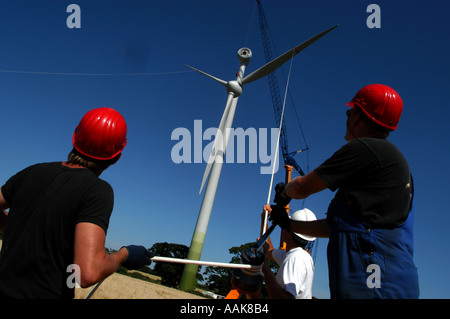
97 166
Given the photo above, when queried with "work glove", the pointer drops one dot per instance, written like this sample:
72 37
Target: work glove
280 195
138 257
279 217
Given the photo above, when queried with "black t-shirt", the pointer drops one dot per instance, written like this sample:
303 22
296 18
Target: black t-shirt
375 178
46 202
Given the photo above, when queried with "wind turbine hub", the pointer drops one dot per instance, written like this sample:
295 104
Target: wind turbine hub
235 87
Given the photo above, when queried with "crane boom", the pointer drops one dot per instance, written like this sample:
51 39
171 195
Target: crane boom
275 92
277 106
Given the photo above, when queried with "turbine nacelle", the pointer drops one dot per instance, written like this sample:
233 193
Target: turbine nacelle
244 54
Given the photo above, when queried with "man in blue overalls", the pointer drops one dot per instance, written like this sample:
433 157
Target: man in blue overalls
370 220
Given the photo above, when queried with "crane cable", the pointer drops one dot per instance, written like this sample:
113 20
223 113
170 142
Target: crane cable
92 74
266 213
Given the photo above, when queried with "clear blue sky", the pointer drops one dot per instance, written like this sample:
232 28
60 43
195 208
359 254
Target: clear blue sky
156 199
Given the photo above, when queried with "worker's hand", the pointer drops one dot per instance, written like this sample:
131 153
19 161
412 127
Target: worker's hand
280 217
138 257
280 195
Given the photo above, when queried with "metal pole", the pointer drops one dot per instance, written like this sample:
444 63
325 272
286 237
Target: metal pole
195 250
205 263
234 89
89 295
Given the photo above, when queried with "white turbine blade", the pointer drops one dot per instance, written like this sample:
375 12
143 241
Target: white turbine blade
218 141
275 63
224 83
229 122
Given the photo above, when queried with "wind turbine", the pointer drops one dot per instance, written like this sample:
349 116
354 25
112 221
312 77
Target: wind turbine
213 169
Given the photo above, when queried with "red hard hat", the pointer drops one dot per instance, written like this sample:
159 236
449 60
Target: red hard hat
380 103
101 134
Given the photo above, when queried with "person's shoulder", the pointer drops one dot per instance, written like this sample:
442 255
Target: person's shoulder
39 167
366 141
100 185
378 144
371 144
301 255
98 182
91 182
373 141
357 146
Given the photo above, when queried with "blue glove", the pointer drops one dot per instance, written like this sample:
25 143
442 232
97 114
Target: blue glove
138 257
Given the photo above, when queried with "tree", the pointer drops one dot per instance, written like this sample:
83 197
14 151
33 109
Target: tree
219 280
170 273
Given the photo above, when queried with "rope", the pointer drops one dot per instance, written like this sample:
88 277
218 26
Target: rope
92 74
250 25
278 142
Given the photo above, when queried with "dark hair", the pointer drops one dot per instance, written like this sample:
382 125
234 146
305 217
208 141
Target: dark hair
97 166
302 242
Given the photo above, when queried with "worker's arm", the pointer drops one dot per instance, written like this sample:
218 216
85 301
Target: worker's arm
275 290
315 228
90 255
268 249
3 215
303 186
3 218
95 264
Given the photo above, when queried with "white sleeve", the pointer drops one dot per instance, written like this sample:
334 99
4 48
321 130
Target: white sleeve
293 272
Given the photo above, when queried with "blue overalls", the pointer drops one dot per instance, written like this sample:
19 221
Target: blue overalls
366 262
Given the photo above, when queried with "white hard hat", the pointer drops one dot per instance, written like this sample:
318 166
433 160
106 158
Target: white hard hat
304 215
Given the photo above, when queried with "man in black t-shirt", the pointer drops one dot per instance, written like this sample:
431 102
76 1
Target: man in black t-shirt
375 179
370 220
59 214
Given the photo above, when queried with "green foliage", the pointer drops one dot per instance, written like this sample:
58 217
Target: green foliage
218 280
